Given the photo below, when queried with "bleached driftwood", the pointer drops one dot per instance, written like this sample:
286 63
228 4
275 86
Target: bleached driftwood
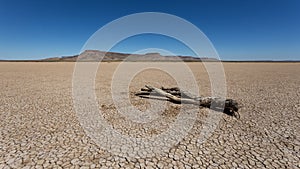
174 94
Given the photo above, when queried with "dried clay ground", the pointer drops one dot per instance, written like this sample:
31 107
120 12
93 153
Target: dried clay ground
39 127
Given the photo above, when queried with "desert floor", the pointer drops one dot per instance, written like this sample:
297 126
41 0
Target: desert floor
40 128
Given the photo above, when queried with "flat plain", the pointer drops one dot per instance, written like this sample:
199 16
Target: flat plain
39 127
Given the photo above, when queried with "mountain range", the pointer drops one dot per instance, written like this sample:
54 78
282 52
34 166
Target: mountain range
96 55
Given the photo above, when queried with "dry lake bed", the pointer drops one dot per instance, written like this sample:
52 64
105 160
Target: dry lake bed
39 127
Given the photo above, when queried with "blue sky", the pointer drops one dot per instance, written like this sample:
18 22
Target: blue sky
239 30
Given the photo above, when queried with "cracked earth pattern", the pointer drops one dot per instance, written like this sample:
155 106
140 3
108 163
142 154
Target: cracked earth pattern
39 127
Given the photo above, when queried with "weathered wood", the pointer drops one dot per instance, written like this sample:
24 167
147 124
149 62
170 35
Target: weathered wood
175 95
172 97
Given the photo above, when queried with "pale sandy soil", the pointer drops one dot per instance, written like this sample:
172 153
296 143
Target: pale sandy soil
39 127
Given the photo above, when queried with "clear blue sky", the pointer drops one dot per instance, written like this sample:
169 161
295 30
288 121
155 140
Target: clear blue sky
239 29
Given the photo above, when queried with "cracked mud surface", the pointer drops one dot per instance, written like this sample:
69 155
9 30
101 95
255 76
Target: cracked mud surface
39 127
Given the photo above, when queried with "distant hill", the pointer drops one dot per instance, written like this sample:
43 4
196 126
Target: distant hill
96 55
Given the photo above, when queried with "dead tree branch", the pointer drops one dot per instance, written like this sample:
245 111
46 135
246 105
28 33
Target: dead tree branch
174 94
